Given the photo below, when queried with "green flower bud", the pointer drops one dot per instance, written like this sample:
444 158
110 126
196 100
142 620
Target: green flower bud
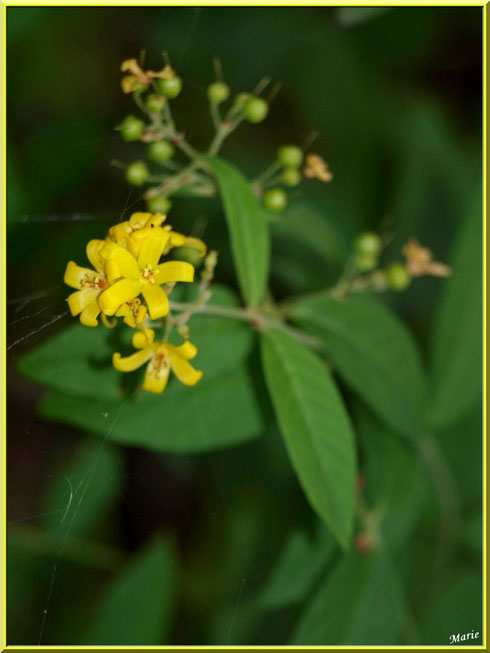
366 262
170 87
397 276
132 128
290 156
218 92
188 254
160 151
159 204
368 243
137 173
241 100
255 109
275 200
291 176
155 102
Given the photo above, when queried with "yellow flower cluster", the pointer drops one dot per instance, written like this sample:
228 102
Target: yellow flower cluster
127 267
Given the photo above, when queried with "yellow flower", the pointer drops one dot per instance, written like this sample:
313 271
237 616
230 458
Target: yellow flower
131 233
420 261
317 168
134 312
161 358
89 283
137 76
130 275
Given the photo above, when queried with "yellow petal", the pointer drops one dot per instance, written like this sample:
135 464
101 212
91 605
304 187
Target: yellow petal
176 239
88 316
112 271
141 339
119 232
156 300
179 240
172 271
184 370
129 83
110 324
187 350
131 66
74 275
93 253
79 300
156 383
196 243
152 247
127 263
122 291
131 363
139 219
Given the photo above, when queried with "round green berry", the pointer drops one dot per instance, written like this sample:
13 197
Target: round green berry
291 176
137 173
290 156
275 200
368 243
218 92
397 276
159 204
255 109
160 151
155 102
171 87
366 262
132 128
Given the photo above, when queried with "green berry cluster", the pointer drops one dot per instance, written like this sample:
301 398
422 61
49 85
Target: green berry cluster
367 250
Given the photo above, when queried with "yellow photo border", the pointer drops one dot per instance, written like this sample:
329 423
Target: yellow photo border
4 4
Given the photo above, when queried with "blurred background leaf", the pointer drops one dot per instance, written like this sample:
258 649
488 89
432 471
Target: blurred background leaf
135 608
458 334
359 602
84 489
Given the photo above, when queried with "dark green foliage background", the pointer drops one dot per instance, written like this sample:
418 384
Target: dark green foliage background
240 556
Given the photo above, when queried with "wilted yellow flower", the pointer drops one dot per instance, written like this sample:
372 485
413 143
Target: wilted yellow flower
131 275
420 261
89 283
317 168
137 76
161 358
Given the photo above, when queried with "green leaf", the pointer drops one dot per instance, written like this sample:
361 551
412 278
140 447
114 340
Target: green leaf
316 428
84 489
374 353
78 361
359 602
297 568
75 361
457 608
248 230
394 478
220 412
135 608
457 360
